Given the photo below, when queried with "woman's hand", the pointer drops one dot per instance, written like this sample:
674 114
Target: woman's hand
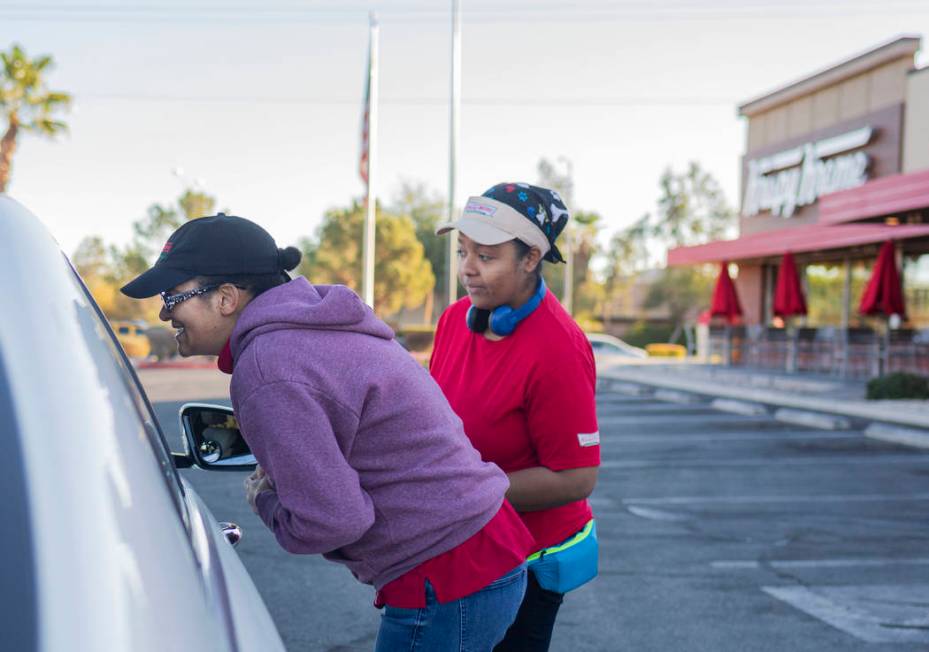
538 488
257 482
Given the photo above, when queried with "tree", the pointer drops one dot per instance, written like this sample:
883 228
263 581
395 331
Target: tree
550 177
427 210
402 274
588 293
691 210
26 103
684 291
626 256
628 253
104 272
160 221
581 236
107 268
90 258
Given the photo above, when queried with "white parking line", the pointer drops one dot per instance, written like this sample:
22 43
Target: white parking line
748 500
706 418
729 436
652 409
898 435
657 514
788 564
876 614
850 460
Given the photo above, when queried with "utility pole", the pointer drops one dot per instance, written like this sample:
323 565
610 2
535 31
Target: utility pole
453 153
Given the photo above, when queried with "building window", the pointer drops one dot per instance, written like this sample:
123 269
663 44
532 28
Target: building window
825 293
916 289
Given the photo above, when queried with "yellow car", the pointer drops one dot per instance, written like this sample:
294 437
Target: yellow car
132 338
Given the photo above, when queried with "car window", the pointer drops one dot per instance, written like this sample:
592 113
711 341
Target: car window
123 330
596 346
106 342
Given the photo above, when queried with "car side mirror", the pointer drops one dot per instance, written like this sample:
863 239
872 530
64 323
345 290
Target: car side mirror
212 439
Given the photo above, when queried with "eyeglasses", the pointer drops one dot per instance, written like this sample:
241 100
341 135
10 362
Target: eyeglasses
171 300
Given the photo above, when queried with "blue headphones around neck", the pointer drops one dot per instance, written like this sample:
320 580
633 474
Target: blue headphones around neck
503 320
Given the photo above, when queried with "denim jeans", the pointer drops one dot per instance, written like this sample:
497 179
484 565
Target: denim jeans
475 623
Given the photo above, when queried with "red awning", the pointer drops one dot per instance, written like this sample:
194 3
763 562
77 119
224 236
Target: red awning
788 295
798 239
725 300
900 193
884 296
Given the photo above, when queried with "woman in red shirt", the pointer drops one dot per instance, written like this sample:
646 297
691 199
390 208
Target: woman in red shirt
520 373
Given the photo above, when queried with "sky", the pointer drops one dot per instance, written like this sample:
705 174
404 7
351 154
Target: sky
260 103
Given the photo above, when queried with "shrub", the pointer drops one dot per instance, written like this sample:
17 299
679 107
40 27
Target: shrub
416 338
588 323
898 386
643 332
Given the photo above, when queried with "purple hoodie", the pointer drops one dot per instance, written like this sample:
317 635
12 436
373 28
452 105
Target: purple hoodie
369 463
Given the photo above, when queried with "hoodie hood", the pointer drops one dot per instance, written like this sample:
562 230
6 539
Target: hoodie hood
300 305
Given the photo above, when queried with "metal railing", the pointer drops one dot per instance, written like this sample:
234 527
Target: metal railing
847 353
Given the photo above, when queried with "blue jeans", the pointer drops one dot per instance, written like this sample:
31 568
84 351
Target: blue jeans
475 623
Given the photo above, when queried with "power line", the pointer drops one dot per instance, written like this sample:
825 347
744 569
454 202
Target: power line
573 8
416 101
269 13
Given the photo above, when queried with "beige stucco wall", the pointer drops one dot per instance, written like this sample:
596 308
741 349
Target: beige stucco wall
852 98
916 122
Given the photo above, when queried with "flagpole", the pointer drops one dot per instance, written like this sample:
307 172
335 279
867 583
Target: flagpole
453 153
367 283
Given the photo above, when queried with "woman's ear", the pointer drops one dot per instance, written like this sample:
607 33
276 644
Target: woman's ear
231 299
531 260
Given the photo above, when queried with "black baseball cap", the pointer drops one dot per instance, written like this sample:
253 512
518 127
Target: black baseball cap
218 245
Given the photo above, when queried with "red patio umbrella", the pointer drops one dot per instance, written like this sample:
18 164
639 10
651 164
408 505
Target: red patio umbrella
725 300
788 295
884 294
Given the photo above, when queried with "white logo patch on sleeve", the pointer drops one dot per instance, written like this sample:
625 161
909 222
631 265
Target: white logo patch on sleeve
586 439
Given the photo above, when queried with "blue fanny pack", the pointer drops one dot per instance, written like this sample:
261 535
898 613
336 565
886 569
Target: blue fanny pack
570 564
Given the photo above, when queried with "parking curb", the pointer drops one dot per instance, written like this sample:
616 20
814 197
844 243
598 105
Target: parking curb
861 410
898 435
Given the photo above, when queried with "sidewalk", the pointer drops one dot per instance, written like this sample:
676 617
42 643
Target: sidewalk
786 393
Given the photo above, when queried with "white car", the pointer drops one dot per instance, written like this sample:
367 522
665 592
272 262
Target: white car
609 348
104 546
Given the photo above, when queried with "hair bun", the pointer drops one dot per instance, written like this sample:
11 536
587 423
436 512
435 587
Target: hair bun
289 258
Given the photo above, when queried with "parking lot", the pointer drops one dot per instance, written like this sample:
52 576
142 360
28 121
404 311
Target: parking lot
718 532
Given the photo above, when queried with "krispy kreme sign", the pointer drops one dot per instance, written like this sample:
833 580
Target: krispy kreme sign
797 177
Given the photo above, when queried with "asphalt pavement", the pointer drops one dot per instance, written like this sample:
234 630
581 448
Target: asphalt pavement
719 532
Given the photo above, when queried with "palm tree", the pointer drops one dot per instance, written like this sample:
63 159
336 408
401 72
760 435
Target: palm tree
26 103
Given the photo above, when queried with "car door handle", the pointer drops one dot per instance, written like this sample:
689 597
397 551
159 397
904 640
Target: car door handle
232 532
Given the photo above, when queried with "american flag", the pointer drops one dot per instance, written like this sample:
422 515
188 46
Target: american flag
365 117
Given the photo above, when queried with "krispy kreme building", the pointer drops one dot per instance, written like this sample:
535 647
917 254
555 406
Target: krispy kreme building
835 165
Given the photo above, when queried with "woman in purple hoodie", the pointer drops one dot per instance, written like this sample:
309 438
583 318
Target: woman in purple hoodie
361 457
